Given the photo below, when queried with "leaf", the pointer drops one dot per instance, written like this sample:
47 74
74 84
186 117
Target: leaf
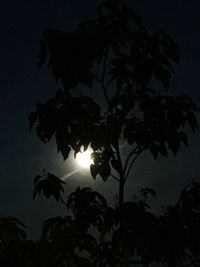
163 60
37 178
36 189
115 164
174 143
171 49
94 170
183 138
105 171
65 151
154 150
163 149
192 120
48 185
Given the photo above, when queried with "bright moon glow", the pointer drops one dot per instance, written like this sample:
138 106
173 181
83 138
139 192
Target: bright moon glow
84 159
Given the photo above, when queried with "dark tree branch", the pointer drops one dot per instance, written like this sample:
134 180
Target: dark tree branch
104 67
104 88
114 177
134 151
108 83
132 162
63 202
121 175
102 79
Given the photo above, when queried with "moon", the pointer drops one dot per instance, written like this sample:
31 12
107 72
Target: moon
84 159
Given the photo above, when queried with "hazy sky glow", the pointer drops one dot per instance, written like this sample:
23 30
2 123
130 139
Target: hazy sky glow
23 156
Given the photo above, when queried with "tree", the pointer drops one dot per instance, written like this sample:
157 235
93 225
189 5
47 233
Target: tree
93 236
116 54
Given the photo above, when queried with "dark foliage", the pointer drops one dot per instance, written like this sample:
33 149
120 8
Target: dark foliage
135 65
98 235
114 53
48 185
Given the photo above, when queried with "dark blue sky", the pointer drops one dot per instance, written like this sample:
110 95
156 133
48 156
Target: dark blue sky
23 155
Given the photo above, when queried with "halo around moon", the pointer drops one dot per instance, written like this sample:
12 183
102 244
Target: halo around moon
84 159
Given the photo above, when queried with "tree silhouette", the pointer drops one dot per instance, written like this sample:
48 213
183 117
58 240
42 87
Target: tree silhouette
93 234
116 54
113 53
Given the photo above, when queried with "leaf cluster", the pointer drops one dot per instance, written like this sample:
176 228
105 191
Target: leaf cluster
137 67
48 185
95 234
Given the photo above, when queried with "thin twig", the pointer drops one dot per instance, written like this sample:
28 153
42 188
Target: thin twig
104 67
134 151
132 162
113 176
62 201
108 83
102 80
103 88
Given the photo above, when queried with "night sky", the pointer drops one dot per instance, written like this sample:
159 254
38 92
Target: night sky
23 156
